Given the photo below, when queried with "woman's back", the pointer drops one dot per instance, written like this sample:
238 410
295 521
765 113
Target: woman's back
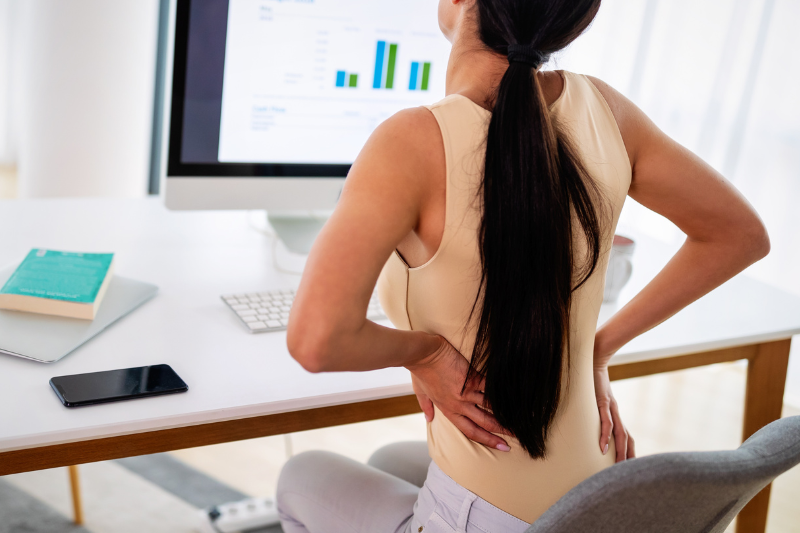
510 215
438 298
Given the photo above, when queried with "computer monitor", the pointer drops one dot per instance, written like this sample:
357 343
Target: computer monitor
271 100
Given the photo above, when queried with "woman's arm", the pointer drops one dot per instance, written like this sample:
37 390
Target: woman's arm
385 192
380 204
724 234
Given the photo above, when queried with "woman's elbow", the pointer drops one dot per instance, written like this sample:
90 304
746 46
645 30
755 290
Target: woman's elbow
310 347
758 241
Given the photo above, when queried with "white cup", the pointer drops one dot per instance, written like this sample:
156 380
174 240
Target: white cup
620 267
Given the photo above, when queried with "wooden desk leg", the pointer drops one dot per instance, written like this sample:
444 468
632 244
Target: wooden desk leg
76 494
763 403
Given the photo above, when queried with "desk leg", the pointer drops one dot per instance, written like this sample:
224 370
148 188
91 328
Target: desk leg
763 403
75 486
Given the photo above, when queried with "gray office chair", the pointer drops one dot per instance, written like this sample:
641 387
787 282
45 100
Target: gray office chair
696 492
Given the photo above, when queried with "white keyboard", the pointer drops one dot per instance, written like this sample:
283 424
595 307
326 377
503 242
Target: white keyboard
269 311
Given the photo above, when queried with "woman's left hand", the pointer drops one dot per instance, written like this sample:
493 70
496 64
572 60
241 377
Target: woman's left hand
610 421
439 379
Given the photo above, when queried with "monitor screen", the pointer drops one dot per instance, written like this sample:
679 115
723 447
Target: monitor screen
295 87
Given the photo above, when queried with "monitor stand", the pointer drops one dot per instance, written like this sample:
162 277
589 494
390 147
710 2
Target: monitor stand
297 229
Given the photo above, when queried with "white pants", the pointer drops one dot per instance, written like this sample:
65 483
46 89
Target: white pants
322 492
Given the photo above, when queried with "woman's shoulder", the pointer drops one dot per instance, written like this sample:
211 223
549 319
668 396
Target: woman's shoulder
406 148
574 82
620 106
421 128
636 129
413 128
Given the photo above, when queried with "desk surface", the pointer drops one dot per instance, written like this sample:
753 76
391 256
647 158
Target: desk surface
196 256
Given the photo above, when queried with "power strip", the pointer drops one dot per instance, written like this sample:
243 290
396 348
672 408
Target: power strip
236 517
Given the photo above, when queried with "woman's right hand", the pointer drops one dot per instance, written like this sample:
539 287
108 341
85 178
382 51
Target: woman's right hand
439 379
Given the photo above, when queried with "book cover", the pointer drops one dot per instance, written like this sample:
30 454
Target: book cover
51 282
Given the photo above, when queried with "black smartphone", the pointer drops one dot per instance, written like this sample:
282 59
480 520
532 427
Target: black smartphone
116 385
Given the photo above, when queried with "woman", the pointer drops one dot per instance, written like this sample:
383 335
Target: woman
496 209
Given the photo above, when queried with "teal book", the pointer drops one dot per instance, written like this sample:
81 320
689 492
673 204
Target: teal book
49 282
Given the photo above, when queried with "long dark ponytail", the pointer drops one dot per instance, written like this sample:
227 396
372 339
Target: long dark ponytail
534 191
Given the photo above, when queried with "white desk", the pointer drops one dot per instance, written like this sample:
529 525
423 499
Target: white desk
244 386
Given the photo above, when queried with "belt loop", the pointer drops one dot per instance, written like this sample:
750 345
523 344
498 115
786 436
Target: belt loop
463 515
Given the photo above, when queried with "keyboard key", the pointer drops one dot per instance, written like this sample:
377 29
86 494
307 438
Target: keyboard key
256 325
274 316
274 323
240 306
246 312
249 319
284 322
262 318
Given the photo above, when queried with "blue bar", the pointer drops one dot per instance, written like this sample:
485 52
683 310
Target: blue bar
376 82
340 78
412 82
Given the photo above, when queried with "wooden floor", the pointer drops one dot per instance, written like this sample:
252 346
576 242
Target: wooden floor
699 409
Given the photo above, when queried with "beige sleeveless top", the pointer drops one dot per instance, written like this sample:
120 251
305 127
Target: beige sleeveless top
437 297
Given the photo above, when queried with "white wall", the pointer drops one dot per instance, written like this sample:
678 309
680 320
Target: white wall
83 91
721 77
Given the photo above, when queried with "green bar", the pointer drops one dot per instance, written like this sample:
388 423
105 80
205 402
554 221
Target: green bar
426 71
353 80
390 66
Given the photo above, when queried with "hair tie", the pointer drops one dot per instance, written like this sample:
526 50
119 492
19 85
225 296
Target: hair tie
521 53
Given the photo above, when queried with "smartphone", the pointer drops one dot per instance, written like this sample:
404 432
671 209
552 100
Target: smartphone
117 385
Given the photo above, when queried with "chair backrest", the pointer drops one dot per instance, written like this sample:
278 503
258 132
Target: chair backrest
695 492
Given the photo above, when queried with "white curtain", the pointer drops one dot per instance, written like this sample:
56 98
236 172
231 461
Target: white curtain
721 77
78 80
6 152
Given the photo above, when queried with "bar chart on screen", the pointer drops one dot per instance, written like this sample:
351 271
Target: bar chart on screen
420 76
341 68
385 62
343 79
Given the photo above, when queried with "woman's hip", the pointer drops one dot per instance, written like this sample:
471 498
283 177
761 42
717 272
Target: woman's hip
444 506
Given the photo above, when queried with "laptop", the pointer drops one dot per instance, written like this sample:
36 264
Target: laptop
47 338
